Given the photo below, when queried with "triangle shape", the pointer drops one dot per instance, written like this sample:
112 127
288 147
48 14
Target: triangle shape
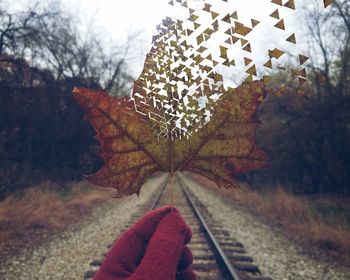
303 59
292 39
234 15
194 17
268 64
280 25
290 4
228 32
247 48
275 14
252 70
255 22
247 61
214 15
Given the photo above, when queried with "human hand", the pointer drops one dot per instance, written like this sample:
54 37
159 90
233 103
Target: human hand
152 249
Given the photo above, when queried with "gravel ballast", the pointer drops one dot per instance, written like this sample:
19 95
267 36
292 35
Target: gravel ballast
67 256
276 256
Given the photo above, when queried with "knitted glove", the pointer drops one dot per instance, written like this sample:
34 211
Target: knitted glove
152 249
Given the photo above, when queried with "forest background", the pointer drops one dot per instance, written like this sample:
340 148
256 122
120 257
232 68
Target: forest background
44 54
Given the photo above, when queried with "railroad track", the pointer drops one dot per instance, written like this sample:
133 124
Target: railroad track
217 255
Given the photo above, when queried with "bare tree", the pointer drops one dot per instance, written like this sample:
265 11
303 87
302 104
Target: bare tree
308 137
44 54
46 36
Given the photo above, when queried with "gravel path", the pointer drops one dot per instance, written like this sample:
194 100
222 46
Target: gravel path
67 256
275 255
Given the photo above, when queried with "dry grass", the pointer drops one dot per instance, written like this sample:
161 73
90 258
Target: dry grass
299 218
28 217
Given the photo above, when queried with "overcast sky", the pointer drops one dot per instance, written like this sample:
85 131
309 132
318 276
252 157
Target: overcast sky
123 17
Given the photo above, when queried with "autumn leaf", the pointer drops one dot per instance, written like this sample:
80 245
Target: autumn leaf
220 150
226 145
128 147
176 100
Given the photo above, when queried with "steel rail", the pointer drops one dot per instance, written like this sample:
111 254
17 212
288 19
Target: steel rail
163 187
222 258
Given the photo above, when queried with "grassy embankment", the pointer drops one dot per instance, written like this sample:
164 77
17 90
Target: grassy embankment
28 217
320 224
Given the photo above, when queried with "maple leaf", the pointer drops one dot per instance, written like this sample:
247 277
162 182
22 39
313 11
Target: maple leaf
219 150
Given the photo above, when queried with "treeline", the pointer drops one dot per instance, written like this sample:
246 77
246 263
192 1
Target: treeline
308 137
43 55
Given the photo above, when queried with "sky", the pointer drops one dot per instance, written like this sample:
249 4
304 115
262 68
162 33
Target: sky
120 18
123 17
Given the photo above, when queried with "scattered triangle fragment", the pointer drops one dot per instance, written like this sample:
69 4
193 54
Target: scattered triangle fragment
303 59
281 25
327 3
290 4
292 39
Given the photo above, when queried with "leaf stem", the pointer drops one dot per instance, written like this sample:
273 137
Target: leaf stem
172 192
172 174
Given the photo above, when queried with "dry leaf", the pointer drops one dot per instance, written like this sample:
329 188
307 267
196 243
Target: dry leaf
221 149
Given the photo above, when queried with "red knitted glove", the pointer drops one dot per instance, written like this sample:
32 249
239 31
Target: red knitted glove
152 249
